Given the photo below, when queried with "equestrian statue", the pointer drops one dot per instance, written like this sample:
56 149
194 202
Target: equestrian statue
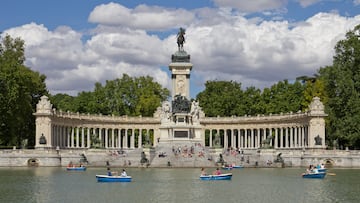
181 39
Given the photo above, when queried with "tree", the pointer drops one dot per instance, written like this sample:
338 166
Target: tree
314 87
62 101
342 86
122 96
283 97
21 89
222 98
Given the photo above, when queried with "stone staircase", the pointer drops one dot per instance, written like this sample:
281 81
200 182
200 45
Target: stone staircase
181 154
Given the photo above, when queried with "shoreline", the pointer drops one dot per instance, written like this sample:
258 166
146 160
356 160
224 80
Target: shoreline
347 159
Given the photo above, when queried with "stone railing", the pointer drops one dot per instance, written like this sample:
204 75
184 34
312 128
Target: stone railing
258 118
104 118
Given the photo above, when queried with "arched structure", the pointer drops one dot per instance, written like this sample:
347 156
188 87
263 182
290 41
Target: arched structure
302 130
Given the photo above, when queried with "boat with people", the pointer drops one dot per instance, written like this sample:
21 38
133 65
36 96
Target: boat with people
238 166
225 176
318 171
318 175
76 168
107 178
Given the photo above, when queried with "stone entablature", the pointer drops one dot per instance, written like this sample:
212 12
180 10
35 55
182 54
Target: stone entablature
288 117
104 118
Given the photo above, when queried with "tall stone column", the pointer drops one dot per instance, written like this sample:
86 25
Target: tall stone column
246 138
77 137
88 144
180 68
140 138
106 138
258 144
132 139
281 137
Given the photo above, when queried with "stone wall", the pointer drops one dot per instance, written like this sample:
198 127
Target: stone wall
131 158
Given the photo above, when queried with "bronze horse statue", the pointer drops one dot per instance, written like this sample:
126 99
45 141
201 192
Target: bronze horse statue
181 39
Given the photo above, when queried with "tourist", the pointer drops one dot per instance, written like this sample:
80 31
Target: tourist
109 172
123 173
217 172
203 172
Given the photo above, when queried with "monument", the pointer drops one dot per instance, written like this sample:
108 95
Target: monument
180 118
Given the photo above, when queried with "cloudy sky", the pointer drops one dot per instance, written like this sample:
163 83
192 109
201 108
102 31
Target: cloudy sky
76 43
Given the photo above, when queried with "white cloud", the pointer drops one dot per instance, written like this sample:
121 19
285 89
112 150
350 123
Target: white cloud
267 52
141 17
222 46
356 2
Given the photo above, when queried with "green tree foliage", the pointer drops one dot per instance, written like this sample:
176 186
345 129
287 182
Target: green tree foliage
222 98
20 89
342 85
226 98
314 87
62 101
252 103
123 96
283 97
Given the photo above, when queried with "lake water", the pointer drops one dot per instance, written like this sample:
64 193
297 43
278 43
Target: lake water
177 185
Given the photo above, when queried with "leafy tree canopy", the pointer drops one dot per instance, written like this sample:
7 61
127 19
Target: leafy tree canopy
20 89
123 96
342 86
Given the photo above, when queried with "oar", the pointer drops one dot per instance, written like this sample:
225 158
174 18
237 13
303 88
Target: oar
331 174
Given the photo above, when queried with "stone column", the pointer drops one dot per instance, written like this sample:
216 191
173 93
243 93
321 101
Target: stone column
82 137
140 139
281 137
126 139
258 144
239 138
301 137
246 139
120 138
132 141
232 138
106 138
291 137
226 138
88 143
252 138
72 136
210 138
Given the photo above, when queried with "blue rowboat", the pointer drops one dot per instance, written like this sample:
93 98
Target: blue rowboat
106 178
318 175
238 166
227 167
322 169
226 176
78 168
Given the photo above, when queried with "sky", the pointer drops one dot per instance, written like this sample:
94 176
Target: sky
77 43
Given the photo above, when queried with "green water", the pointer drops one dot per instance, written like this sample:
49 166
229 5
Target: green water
177 185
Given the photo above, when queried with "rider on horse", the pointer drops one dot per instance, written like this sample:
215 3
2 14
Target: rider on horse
181 38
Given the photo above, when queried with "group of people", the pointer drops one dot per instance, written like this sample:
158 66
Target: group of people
115 173
71 165
216 172
314 169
